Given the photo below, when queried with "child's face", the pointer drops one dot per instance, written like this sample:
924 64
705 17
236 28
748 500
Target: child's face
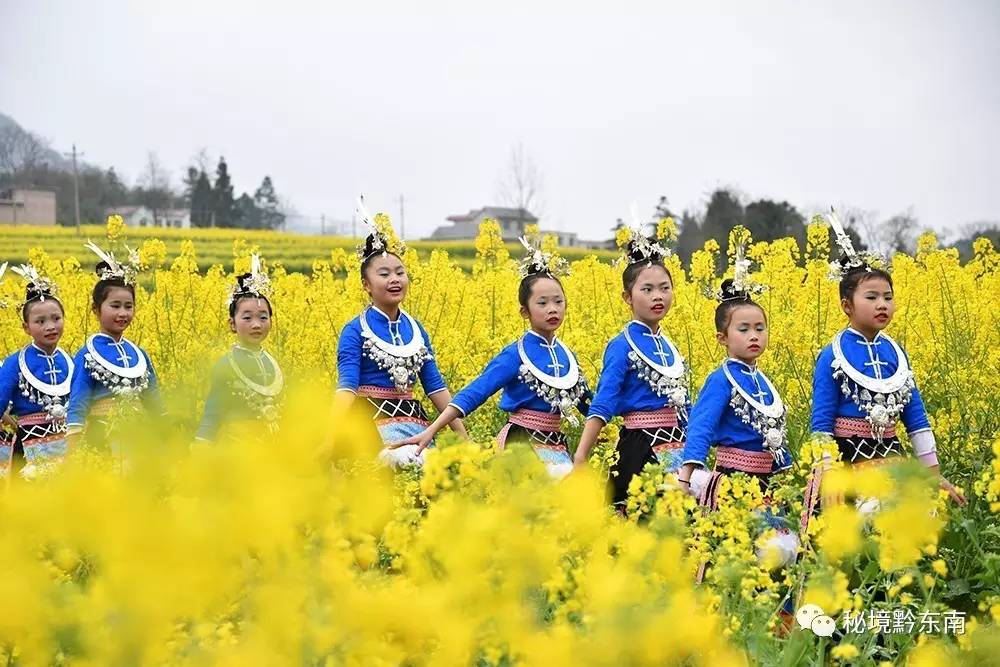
546 306
872 306
45 323
116 311
252 322
651 295
746 336
386 280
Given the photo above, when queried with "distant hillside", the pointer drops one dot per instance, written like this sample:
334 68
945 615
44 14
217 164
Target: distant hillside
49 156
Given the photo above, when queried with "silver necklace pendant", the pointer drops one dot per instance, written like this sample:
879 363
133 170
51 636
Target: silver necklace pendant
662 385
402 370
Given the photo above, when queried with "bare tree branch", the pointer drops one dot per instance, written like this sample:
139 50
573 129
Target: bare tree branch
520 184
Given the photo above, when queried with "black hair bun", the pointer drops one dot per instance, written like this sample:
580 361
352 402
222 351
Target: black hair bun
101 267
242 281
728 290
636 251
33 293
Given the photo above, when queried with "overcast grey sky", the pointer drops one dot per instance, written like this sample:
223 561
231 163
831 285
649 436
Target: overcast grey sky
880 105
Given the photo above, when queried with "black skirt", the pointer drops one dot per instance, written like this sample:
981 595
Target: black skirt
635 450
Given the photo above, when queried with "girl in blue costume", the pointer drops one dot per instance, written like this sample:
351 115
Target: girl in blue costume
644 378
539 375
247 382
35 383
739 411
741 414
863 384
384 351
110 368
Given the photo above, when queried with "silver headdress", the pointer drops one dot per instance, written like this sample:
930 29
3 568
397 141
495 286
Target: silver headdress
112 268
536 260
379 241
638 247
39 287
743 287
850 258
254 284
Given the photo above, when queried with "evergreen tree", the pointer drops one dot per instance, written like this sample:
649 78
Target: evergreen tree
201 201
267 203
223 204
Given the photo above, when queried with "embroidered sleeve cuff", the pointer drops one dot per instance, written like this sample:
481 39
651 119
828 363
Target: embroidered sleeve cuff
457 407
700 464
594 415
431 393
353 391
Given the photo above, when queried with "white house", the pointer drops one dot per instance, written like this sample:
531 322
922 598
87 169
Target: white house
143 216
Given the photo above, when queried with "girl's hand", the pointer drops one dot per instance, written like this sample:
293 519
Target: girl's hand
954 493
421 440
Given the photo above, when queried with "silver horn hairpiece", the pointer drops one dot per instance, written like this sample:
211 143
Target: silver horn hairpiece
743 287
536 260
851 258
638 247
381 239
40 287
126 271
258 284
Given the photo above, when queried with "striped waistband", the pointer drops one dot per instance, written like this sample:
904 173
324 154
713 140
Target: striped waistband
35 419
371 391
856 427
744 461
534 419
662 418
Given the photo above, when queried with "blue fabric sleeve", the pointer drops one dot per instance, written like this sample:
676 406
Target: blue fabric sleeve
430 376
713 399
349 357
826 394
609 385
8 381
81 393
501 370
915 414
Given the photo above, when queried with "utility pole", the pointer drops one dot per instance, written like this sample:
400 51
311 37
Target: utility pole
322 224
76 186
402 219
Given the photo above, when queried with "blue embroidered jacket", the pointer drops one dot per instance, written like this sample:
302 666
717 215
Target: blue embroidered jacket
876 359
503 372
85 389
713 420
355 368
619 388
50 369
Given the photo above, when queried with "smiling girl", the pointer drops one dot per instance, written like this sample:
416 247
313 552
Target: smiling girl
110 368
247 381
539 375
384 351
643 377
35 382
